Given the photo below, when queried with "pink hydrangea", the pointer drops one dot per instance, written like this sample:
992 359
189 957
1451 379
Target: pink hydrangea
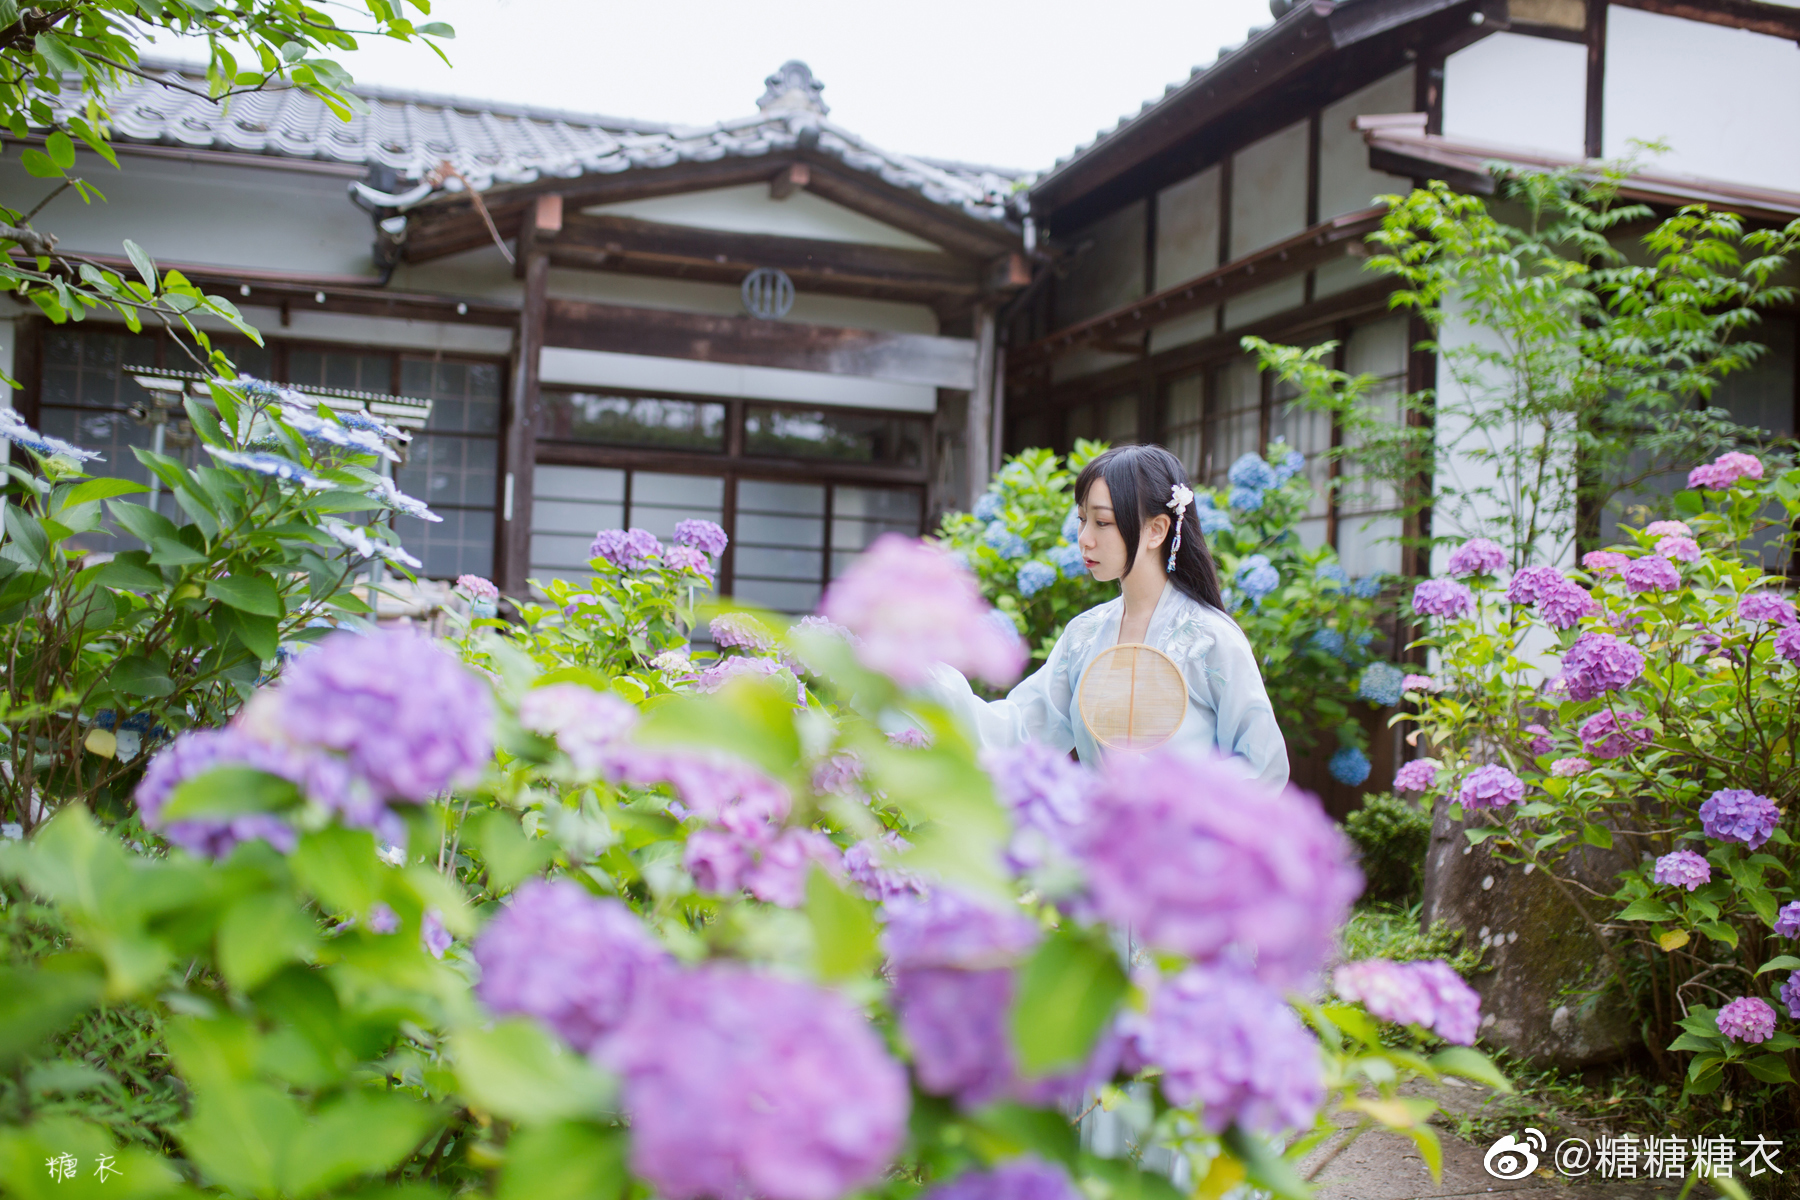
1429 994
477 588
1610 735
1605 562
726 669
1477 556
1444 598
1724 471
687 558
1540 740
740 631
779 874
1652 573
909 739
583 722
1599 663
740 1083
913 606
1747 1019
1787 644
1683 868
1490 786
1198 860
720 790
1420 683
1657 529
1568 768
1739 815
1416 776
1761 606
1678 549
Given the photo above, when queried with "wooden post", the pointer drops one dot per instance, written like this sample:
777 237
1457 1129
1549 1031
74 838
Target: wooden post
1594 126
544 217
978 436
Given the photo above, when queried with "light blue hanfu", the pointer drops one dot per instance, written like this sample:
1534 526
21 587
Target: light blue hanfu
1228 710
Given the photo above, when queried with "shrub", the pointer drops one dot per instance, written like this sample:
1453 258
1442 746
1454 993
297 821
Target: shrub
1391 836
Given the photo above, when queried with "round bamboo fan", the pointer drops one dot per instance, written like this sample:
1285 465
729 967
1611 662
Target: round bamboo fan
1133 697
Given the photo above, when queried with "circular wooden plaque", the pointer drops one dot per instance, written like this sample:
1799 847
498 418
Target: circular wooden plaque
1133 697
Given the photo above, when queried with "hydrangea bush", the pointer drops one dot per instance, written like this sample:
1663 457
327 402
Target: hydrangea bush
1312 625
1645 702
539 913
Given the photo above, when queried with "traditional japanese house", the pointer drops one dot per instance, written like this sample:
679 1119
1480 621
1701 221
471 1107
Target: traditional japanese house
767 322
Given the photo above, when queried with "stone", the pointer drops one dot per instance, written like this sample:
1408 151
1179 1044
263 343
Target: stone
1550 995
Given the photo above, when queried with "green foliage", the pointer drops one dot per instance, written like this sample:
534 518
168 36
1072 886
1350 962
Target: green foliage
1391 835
1574 370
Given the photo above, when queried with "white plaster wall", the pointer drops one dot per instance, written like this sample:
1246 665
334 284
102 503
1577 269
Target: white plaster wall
595 368
203 213
1341 275
750 209
483 274
1187 228
1265 302
1725 100
1268 190
346 329
1346 181
1110 272
1516 90
1182 330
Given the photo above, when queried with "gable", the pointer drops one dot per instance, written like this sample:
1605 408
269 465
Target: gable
749 208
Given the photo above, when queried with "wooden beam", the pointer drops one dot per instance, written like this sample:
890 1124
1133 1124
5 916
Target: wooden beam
700 337
1776 20
789 180
539 228
521 431
978 433
1595 114
1305 250
659 248
908 210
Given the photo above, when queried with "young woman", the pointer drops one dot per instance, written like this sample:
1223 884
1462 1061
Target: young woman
1138 526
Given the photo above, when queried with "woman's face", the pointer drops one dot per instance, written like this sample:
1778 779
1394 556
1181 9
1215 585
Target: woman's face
1103 547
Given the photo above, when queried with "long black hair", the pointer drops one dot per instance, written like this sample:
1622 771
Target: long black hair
1141 480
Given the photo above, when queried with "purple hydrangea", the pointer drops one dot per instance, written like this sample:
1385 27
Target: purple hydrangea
1024 1178
383 919
1477 556
955 1024
1678 549
741 631
946 928
1787 921
1682 868
626 549
1228 1043
1607 734
322 779
574 961
704 536
1530 583
726 669
1787 644
909 739
1429 994
1048 797
1605 562
912 606
717 859
1747 1019
1599 663
779 874
408 717
1739 815
839 774
1540 740
1444 598
1724 471
1416 776
585 723
1568 768
1198 860
1761 606
720 790
739 1083
867 864
1490 786
1563 606
1790 995
687 558
432 934
1652 573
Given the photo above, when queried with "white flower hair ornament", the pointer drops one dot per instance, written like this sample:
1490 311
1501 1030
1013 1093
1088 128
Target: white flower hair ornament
1180 496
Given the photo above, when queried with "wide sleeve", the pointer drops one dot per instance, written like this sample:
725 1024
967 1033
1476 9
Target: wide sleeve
1227 679
1037 710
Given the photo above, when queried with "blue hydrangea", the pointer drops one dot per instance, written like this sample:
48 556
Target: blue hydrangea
1204 500
1250 471
1246 499
1212 521
1329 640
1381 683
1349 766
1071 526
1007 543
1257 577
1334 575
1290 465
988 507
14 429
1364 638
1034 577
1367 587
1069 561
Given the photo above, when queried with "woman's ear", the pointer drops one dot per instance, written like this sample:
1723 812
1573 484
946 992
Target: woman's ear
1156 531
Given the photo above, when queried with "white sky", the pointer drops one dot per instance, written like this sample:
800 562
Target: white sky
1009 84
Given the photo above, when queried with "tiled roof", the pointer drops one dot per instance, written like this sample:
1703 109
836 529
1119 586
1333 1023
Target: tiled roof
494 144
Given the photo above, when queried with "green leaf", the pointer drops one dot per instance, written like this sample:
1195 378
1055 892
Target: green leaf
1647 909
1597 835
173 552
57 53
104 488
250 593
1781 962
1008 1130
61 148
1770 1068
844 929
1719 931
1470 1064
146 266
37 1003
260 635
1068 990
339 866
567 1160
38 164
509 855
240 1135
361 1133
136 675
260 934
1126 1182
1264 1167
436 29
230 791
517 1071
142 523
